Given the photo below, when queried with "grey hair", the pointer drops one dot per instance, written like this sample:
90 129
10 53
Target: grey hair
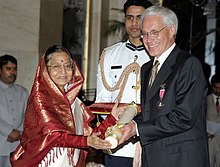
56 49
168 16
48 57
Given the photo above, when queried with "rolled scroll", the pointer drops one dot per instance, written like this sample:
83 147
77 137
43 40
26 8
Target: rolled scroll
113 134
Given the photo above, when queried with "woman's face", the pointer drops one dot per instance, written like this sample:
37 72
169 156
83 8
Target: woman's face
60 69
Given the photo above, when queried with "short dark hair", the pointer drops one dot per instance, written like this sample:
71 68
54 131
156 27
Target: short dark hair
144 3
215 78
4 59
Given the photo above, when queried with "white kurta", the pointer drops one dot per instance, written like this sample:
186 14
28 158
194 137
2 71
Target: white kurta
117 57
13 102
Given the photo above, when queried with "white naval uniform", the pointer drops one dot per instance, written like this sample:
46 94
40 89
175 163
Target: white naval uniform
13 102
117 57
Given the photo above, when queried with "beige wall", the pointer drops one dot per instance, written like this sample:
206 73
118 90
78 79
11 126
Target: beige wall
27 28
19 34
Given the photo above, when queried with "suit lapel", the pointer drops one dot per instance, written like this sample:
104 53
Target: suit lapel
163 73
145 75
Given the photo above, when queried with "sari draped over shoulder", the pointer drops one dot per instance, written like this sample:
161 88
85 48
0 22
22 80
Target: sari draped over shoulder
49 121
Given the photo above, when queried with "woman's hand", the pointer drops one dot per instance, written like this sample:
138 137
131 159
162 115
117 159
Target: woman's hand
94 141
117 111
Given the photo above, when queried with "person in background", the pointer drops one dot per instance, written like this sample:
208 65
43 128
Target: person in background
118 75
12 107
57 131
172 124
213 121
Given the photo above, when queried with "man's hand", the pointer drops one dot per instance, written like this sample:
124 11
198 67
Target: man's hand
97 143
15 135
128 131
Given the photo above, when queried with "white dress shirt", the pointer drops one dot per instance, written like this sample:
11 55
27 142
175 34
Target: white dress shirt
164 56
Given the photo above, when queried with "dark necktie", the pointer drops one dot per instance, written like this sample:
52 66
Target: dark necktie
133 47
153 73
217 105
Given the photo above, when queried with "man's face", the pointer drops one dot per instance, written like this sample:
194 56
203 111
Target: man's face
132 20
157 43
8 73
216 89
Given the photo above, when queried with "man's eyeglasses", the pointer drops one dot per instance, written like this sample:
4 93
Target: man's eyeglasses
153 33
58 67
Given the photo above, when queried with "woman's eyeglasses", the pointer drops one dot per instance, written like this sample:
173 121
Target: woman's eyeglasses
58 67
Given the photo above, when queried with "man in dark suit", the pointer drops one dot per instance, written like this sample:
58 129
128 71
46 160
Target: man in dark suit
213 121
172 125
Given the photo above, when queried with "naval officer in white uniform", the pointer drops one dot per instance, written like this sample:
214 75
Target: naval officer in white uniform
118 75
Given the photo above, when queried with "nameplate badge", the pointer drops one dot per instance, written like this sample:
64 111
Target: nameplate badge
116 67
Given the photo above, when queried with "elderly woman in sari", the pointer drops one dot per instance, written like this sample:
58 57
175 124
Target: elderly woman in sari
57 129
